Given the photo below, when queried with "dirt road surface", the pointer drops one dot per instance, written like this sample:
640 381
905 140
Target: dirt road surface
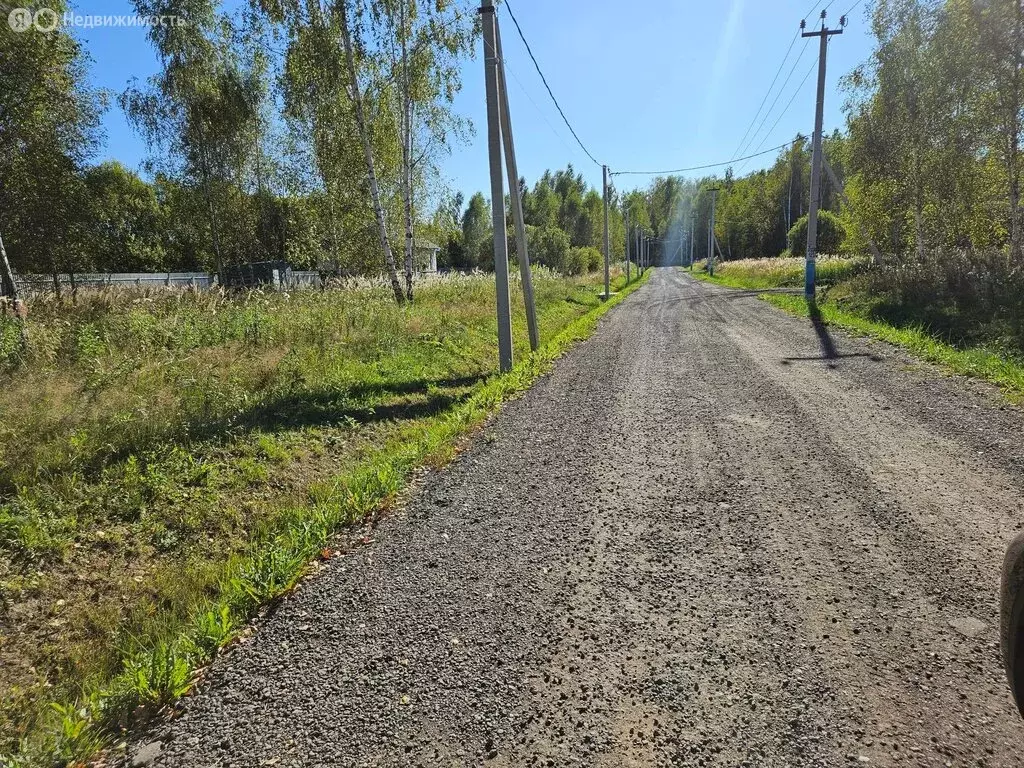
714 535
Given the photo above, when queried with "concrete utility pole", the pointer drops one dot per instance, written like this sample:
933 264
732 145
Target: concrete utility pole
711 233
812 217
691 242
491 79
636 248
626 246
516 198
607 255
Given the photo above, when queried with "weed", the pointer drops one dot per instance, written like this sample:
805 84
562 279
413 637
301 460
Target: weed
152 485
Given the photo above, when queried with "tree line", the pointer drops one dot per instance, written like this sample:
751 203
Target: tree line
311 133
290 129
930 158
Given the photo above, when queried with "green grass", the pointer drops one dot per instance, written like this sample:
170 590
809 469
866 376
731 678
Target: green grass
763 274
779 272
974 362
161 481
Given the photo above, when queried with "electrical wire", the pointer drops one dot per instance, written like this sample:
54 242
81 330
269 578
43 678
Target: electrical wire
806 15
788 105
522 37
519 83
775 101
702 167
852 7
767 94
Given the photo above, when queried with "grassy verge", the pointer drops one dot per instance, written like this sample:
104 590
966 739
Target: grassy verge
762 274
975 362
201 457
782 272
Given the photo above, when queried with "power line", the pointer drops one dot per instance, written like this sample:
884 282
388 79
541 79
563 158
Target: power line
788 104
806 15
526 93
775 101
767 93
544 80
847 14
702 167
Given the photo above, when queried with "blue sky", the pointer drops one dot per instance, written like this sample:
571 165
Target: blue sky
647 84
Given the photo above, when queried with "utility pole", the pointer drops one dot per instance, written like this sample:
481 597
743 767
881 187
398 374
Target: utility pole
636 248
711 233
691 241
812 218
516 198
491 79
607 255
626 246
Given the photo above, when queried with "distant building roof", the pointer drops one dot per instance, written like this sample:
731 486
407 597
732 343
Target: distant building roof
428 245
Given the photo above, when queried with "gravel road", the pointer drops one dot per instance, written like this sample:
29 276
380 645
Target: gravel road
714 535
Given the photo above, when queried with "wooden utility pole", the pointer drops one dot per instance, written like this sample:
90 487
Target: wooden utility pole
491 79
515 195
812 218
607 255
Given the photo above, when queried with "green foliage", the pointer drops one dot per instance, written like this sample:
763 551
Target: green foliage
982 363
582 260
831 235
476 229
124 221
549 247
203 502
781 272
50 128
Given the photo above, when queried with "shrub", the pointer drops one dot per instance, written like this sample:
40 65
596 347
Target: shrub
831 234
549 247
591 257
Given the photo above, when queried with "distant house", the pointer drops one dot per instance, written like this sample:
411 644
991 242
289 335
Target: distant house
425 256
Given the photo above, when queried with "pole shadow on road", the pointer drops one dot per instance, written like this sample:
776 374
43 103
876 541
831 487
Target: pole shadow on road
829 351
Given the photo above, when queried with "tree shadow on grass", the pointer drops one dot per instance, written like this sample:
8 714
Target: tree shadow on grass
359 404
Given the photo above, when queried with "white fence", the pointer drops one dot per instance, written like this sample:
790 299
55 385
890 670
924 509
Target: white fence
196 280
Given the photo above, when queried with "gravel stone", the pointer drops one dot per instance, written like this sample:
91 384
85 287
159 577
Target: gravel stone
702 540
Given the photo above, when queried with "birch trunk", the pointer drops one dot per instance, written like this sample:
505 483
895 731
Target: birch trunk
357 101
406 154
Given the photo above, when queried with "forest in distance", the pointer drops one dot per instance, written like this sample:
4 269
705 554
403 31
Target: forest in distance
173 460
268 123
